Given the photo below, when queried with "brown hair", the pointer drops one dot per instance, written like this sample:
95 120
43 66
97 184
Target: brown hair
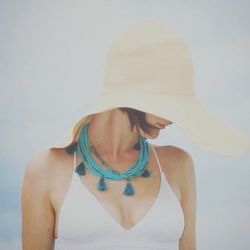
137 119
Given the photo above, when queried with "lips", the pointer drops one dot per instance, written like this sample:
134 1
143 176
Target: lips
161 126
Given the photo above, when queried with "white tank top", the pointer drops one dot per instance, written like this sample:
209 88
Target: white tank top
85 224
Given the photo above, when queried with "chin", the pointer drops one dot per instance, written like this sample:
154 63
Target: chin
153 135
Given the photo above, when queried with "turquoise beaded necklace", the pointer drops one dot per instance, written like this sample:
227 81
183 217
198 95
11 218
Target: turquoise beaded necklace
139 168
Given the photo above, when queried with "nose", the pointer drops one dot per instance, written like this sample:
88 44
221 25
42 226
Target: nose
163 124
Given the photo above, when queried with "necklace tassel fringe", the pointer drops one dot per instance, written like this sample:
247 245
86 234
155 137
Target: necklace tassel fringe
129 190
102 186
81 169
84 149
146 173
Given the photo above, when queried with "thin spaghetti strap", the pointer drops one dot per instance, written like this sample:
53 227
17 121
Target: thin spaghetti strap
156 156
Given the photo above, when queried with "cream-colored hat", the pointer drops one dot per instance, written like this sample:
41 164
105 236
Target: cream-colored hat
150 69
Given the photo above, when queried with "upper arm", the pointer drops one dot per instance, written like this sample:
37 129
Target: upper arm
37 212
188 201
182 170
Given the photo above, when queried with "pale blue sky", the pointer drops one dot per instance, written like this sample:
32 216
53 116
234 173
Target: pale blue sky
52 57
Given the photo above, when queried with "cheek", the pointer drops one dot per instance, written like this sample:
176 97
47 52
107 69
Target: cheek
151 119
153 133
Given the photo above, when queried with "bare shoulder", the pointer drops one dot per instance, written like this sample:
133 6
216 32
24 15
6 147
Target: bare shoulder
176 156
41 168
177 162
41 162
44 157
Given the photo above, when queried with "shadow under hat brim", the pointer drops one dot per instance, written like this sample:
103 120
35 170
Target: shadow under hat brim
202 127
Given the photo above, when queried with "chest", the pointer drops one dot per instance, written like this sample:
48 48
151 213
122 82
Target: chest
125 211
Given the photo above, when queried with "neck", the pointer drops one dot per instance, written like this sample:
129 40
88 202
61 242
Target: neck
111 135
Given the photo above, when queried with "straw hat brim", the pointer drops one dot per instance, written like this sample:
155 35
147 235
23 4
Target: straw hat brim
202 127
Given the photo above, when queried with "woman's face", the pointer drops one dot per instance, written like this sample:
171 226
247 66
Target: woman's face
158 122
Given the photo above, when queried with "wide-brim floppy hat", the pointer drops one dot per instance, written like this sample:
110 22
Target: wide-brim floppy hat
149 68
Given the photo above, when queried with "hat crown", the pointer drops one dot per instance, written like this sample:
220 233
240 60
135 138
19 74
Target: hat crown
149 69
148 57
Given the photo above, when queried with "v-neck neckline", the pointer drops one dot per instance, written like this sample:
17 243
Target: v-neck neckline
115 222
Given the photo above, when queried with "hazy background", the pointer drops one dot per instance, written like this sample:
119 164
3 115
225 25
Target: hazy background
51 60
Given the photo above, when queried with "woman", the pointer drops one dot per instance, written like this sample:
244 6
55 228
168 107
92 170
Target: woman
103 186
47 181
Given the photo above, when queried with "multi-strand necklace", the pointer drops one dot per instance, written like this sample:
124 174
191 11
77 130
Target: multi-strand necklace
139 168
